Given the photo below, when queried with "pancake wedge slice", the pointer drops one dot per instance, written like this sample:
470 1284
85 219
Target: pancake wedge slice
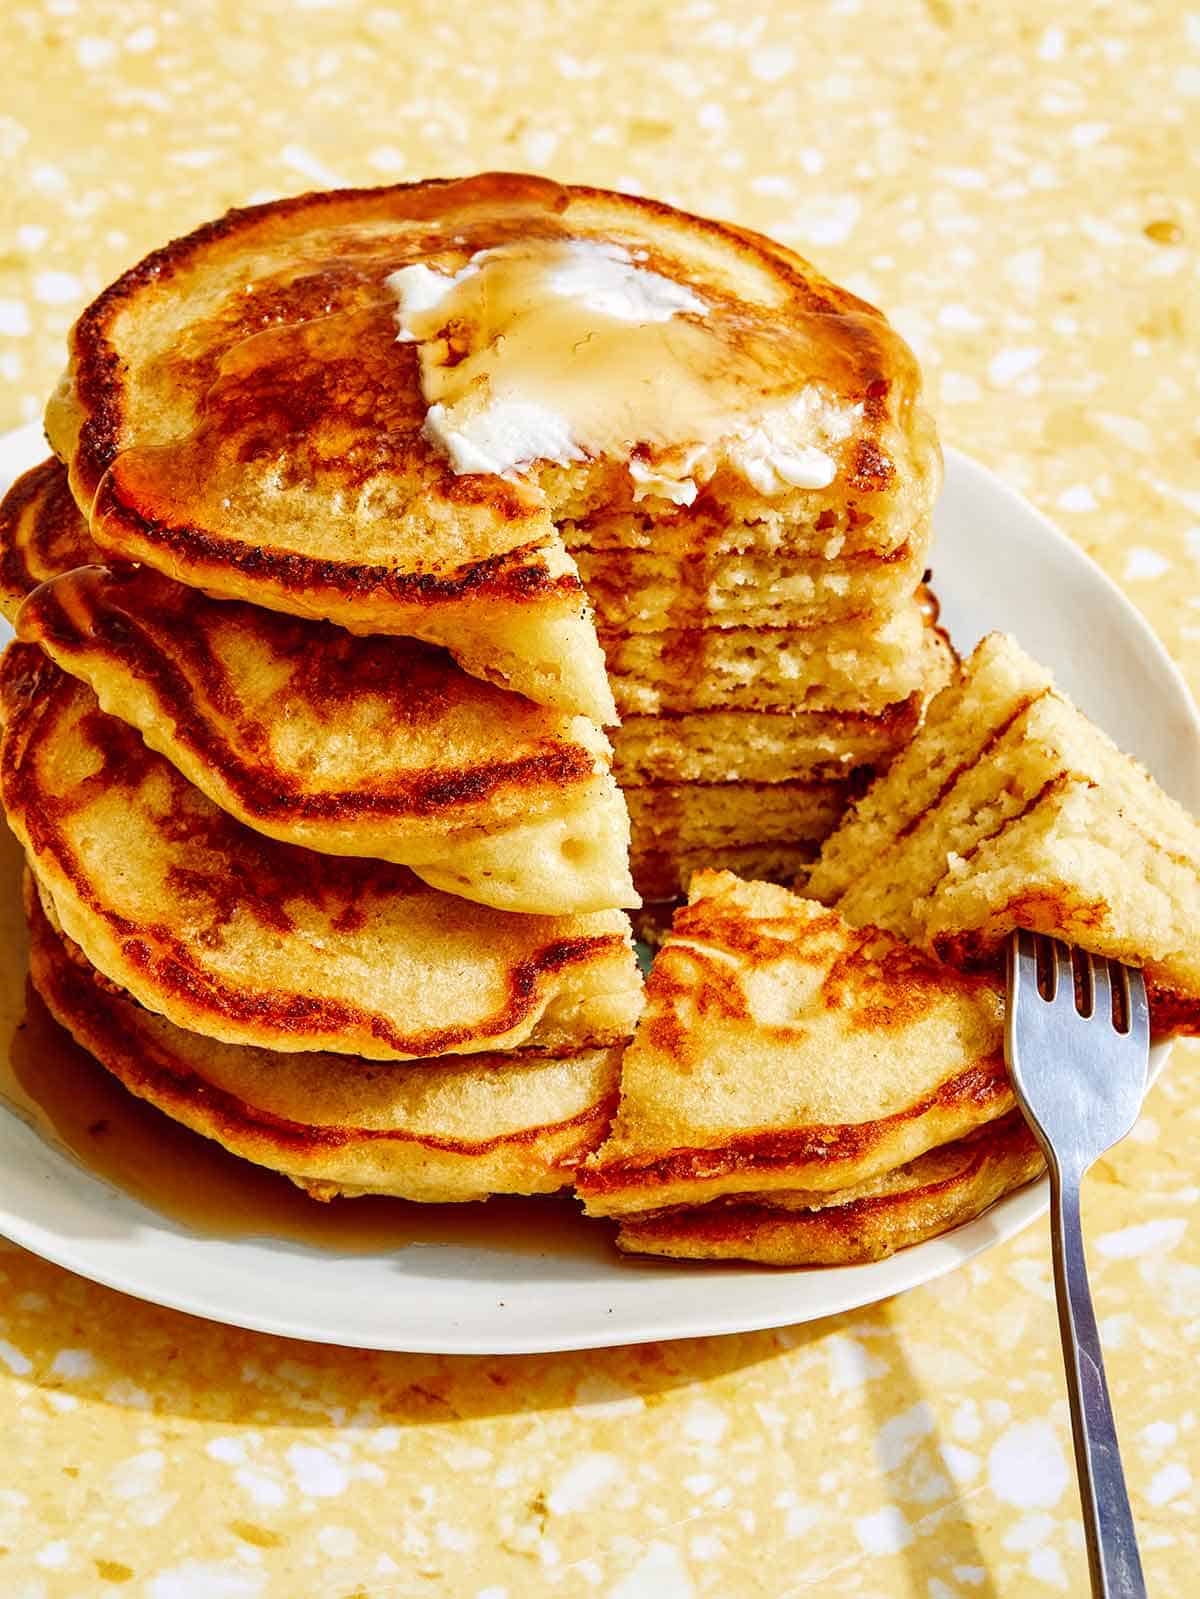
782 1049
447 1130
377 747
231 934
920 1200
1011 809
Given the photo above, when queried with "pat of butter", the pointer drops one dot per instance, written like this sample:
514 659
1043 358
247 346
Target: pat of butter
560 350
597 277
506 434
789 447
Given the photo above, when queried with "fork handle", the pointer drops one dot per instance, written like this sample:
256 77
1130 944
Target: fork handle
1112 1548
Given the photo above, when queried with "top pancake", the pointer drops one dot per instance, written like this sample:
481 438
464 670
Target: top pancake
250 941
377 747
239 414
782 1049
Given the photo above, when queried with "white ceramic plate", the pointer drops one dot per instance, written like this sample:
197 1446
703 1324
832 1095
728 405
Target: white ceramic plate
997 564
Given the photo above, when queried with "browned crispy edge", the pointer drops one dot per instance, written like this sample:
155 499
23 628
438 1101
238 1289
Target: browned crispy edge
514 578
983 1086
863 1230
44 495
264 789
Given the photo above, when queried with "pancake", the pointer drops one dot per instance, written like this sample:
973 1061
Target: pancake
782 1049
706 529
445 1130
1009 809
920 1200
42 533
239 412
679 827
650 591
377 747
234 935
759 746
853 664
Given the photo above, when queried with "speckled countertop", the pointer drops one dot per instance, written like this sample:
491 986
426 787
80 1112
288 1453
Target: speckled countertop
1021 195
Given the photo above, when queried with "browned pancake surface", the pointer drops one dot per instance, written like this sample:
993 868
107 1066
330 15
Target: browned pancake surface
780 1048
256 942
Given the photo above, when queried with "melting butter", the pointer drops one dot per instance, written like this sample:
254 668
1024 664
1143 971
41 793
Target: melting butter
565 349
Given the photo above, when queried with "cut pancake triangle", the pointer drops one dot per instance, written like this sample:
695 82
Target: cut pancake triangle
781 1049
377 747
229 933
455 1129
1009 808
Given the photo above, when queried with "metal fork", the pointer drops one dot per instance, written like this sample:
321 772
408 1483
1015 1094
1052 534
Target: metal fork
1079 1073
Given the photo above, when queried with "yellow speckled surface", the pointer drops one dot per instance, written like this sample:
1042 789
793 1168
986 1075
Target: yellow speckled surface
1021 196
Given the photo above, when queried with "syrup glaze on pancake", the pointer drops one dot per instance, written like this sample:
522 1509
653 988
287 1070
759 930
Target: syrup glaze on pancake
41 534
782 1049
922 1199
240 411
446 1130
377 747
252 941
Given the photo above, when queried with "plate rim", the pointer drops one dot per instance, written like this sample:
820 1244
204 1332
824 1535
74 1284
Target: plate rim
23 447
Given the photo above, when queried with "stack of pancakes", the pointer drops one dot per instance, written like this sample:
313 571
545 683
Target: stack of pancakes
770 643
332 1016
305 731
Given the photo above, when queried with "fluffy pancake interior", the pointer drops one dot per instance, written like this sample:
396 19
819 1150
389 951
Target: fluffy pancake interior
1009 808
782 1048
757 746
649 592
854 664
